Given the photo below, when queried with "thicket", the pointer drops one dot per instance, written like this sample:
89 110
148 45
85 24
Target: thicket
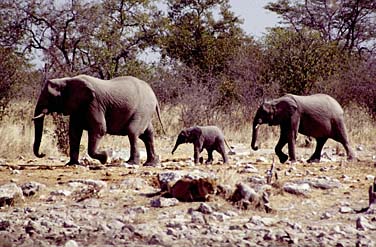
204 67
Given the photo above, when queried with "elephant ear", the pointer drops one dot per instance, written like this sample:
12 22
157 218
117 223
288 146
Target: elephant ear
74 93
284 109
196 133
267 112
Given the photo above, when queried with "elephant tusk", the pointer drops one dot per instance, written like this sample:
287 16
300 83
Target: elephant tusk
39 116
257 125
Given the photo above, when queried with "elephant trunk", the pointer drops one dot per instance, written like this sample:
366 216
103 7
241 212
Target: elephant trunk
179 141
38 127
254 135
175 147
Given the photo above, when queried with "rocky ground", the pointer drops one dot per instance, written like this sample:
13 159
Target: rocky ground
44 203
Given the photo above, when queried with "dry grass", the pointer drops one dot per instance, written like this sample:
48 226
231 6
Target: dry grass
17 133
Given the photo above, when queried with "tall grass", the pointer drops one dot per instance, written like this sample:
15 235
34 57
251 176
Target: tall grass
17 131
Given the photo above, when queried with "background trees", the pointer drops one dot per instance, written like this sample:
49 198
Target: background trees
201 33
203 62
351 23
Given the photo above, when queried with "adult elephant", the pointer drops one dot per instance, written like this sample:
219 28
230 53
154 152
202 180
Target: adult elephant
121 106
319 116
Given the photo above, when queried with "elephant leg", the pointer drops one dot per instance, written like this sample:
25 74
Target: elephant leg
134 158
75 134
94 140
317 154
196 153
278 148
210 156
341 137
222 151
148 138
291 145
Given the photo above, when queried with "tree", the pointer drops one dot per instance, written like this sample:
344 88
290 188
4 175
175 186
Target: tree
101 38
351 23
299 61
201 33
14 65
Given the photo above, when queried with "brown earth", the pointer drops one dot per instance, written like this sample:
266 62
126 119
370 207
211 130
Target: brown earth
313 219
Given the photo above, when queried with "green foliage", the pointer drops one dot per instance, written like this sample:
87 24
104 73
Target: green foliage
13 74
100 38
347 22
299 61
202 34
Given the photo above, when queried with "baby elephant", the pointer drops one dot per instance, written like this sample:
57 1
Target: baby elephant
209 137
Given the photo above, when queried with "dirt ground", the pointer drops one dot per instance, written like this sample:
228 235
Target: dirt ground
315 219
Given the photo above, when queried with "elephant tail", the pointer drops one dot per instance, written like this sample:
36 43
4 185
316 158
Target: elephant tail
159 117
231 152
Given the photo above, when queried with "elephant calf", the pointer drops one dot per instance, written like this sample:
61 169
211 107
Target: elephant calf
209 137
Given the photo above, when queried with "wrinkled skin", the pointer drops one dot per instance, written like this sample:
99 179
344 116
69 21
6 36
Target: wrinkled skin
121 106
210 138
318 116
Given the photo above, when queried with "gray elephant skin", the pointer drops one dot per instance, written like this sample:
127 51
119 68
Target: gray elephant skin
210 138
319 116
120 106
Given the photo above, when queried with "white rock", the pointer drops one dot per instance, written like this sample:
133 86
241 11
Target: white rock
362 223
297 189
261 160
164 202
99 184
10 193
71 243
345 210
61 193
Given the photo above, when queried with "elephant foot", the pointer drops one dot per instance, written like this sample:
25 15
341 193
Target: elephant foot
313 160
133 162
153 162
283 158
352 158
72 163
200 160
103 159
208 162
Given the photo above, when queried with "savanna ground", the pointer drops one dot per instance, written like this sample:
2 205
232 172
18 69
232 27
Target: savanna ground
319 210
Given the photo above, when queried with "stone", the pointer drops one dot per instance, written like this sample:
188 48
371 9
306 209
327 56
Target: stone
133 183
363 224
205 208
197 217
323 183
4 225
218 216
164 202
261 160
168 179
297 189
10 194
31 188
326 216
193 190
71 243
266 221
345 210
61 193
249 168
98 184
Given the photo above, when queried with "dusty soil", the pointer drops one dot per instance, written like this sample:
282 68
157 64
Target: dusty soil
121 213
